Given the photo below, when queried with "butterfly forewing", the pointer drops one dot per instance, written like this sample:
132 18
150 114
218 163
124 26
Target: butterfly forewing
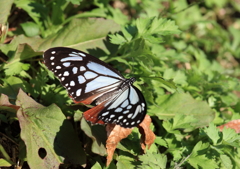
81 74
89 79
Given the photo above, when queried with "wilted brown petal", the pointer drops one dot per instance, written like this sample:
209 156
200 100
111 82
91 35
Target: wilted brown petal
235 124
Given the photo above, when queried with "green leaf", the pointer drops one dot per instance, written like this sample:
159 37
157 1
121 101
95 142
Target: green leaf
213 133
231 137
153 160
182 104
154 26
199 149
125 162
98 136
14 66
85 38
226 161
34 9
160 141
30 29
202 161
17 45
75 2
5 163
48 135
5 8
198 158
117 39
11 86
182 121
96 166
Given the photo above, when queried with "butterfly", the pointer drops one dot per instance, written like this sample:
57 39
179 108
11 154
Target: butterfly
90 80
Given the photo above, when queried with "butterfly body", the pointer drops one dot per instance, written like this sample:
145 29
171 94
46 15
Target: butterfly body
88 79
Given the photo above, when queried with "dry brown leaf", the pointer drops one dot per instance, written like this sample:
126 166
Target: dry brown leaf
147 135
234 124
116 133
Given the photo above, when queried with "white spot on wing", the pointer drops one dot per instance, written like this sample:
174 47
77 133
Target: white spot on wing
133 123
52 63
118 109
78 92
138 110
53 52
106 113
130 115
82 54
52 57
112 116
58 67
66 73
126 112
81 79
71 59
90 75
120 117
66 64
74 70
73 54
63 78
82 68
129 107
72 83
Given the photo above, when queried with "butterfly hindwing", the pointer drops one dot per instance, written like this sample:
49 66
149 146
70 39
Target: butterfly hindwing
127 110
89 79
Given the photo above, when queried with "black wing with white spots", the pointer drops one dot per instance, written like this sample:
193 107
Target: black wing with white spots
89 79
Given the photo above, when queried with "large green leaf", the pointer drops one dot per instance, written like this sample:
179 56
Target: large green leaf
5 7
83 34
183 104
49 137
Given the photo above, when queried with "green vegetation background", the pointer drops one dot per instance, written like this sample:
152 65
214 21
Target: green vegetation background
184 54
